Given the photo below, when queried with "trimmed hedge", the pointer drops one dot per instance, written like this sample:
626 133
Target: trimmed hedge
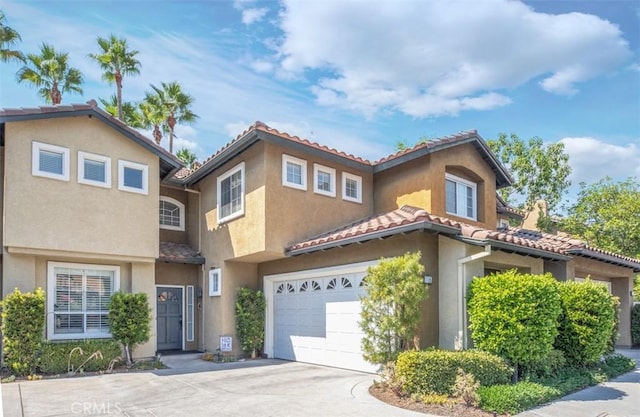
635 324
434 371
586 323
515 398
549 366
54 356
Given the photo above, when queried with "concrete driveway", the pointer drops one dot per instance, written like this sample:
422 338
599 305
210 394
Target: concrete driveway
196 388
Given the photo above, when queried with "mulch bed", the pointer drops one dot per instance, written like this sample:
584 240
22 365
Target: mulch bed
386 395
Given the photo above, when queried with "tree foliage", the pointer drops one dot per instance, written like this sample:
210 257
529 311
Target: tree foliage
391 309
607 215
514 315
116 60
187 157
50 72
540 171
9 38
130 111
586 323
250 315
22 326
129 320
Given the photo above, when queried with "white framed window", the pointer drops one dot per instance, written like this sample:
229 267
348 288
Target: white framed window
294 172
50 161
189 312
351 187
171 214
78 299
94 169
325 180
215 282
133 177
231 194
461 197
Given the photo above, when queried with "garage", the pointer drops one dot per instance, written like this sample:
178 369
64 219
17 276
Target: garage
312 316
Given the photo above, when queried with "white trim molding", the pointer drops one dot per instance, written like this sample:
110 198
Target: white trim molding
358 180
36 148
317 168
85 156
286 159
122 165
235 214
180 207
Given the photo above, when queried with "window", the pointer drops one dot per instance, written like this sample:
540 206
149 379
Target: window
351 187
94 169
133 177
50 161
78 299
325 180
171 214
294 172
190 327
231 194
461 197
215 282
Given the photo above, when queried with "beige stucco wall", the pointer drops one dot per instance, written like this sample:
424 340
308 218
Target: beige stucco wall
421 183
43 213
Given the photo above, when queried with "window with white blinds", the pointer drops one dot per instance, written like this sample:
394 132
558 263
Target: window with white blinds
94 169
78 302
50 161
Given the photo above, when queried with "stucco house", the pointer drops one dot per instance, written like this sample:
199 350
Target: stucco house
91 206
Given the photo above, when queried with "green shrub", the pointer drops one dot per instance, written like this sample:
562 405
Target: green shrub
548 366
129 320
586 323
635 324
434 371
54 358
250 313
22 327
615 365
514 315
516 398
391 309
615 333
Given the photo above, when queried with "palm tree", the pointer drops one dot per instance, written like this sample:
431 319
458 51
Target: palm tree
189 158
152 116
51 74
8 38
130 111
116 61
174 105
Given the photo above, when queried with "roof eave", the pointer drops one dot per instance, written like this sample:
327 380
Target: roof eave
523 250
381 234
189 261
591 254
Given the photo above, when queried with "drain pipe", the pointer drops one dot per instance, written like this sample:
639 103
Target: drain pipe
461 340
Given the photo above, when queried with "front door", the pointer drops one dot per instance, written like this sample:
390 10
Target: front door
169 317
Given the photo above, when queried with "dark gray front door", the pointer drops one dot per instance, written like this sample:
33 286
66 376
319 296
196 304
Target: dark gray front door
169 317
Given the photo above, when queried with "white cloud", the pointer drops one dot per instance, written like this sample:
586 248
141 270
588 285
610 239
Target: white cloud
592 159
253 15
434 58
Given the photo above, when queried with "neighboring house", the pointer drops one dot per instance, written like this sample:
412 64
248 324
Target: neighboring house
268 211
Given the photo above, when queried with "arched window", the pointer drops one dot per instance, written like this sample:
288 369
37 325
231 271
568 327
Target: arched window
171 214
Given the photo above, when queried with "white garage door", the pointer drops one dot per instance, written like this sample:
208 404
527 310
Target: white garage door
315 320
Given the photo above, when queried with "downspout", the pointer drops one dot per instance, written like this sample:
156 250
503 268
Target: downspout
461 339
202 268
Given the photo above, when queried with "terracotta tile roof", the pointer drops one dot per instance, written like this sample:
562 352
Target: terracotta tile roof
458 137
179 253
182 173
409 218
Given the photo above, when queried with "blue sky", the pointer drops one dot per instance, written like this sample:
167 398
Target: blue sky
362 75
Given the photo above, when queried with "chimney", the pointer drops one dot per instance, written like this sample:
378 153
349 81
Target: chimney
540 208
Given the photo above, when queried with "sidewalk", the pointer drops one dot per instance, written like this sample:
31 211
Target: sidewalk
617 398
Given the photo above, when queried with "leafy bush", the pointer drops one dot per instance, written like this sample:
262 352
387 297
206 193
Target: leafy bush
515 398
391 310
586 323
22 326
615 333
615 364
434 371
466 388
635 324
548 366
55 359
514 315
129 320
250 313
